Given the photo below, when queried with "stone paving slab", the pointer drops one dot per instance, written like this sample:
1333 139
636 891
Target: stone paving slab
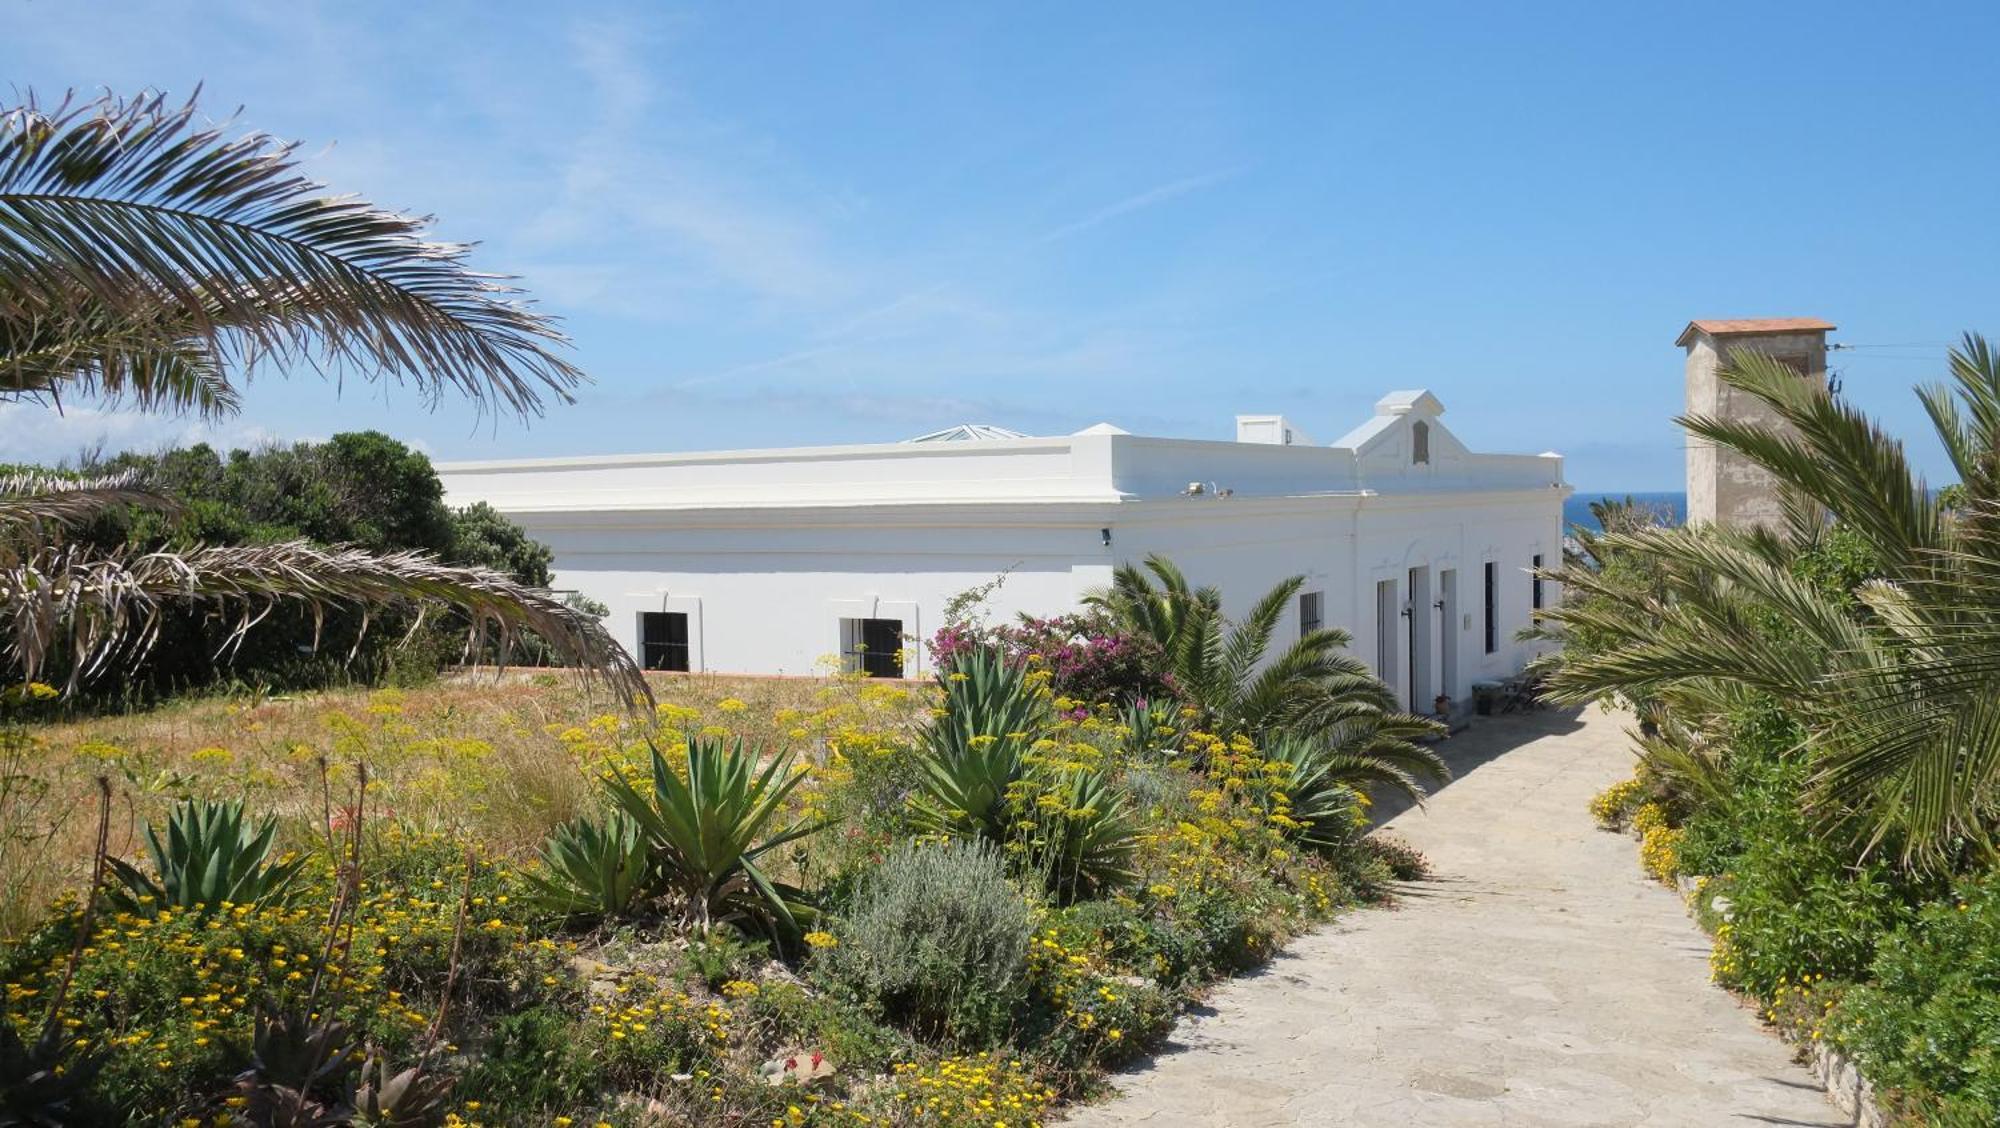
1537 979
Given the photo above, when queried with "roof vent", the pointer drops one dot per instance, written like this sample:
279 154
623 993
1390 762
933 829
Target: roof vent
967 433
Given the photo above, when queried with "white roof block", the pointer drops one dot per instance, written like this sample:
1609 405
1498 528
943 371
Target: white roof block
1418 400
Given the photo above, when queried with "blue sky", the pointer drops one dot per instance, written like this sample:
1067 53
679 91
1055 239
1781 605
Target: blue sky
768 224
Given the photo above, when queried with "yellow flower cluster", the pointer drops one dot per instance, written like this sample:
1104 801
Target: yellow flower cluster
1614 804
971 1092
164 989
1724 961
1800 1009
1061 970
1243 808
1659 844
644 1029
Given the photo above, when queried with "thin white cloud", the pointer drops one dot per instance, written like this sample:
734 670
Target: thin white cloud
647 176
1146 199
37 434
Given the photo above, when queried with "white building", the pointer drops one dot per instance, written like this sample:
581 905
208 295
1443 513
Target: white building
769 561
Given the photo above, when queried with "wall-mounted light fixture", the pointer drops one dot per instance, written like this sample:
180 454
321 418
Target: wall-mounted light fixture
1106 534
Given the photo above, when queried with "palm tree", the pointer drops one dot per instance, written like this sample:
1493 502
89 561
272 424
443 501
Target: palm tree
1168 614
1896 678
149 260
1312 690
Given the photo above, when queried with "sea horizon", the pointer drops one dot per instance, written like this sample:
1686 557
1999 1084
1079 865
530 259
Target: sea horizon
1576 509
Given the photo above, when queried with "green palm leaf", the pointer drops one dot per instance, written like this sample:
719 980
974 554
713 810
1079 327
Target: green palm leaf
141 252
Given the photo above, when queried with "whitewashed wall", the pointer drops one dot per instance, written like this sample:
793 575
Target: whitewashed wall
767 551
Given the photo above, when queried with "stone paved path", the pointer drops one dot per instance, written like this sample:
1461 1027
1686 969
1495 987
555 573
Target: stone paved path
1539 978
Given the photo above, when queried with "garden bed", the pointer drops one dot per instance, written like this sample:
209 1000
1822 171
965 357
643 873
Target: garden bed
418 923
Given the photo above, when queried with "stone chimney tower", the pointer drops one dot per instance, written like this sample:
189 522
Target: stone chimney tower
1723 487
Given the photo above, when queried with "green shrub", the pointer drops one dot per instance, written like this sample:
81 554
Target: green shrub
1928 1026
827 1022
210 856
1405 862
1798 905
938 937
531 1059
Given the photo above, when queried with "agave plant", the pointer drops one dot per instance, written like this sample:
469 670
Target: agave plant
46 1083
300 1074
1328 774
982 781
1325 808
975 752
1086 839
416 1097
1151 725
210 855
592 869
150 260
706 833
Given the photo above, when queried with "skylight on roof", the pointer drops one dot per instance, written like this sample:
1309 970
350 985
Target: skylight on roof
967 433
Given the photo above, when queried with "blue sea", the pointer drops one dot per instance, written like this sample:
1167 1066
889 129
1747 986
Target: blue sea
1576 511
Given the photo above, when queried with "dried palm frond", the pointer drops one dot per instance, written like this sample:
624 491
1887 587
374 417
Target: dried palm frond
152 360
179 241
93 609
28 502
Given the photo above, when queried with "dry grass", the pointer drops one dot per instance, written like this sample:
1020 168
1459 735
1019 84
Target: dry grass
497 761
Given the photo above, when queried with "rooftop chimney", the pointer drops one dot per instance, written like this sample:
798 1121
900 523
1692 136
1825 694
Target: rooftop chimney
1723 487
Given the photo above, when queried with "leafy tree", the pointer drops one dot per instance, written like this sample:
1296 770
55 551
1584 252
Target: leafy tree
481 535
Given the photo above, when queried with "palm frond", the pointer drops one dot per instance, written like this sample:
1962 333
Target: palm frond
31 502
1250 638
153 362
1831 454
113 210
72 604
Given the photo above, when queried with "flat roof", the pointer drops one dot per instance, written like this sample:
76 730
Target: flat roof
1749 326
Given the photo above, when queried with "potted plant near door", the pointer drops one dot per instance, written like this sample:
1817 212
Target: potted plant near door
1485 695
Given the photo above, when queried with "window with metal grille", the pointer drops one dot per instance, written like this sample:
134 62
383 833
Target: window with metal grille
1311 612
1538 581
873 646
663 640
